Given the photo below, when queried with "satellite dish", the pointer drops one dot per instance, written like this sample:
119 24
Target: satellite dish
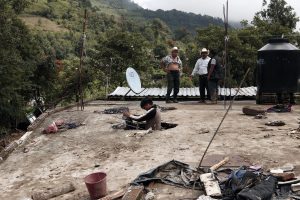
133 80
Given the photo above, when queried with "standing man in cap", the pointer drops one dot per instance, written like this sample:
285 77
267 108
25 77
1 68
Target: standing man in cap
214 75
201 69
172 65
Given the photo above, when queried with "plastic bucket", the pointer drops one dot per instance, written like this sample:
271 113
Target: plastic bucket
96 185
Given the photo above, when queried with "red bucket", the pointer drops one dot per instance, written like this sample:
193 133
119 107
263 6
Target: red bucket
96 185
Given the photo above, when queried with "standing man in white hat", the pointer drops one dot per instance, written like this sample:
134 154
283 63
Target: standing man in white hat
172 65
201 69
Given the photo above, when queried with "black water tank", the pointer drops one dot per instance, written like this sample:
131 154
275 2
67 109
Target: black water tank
278 67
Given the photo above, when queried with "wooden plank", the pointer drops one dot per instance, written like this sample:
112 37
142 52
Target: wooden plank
296 180
220 164
115 195
295 187
134 193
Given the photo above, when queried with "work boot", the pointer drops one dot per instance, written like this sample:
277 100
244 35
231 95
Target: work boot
175 100
168 101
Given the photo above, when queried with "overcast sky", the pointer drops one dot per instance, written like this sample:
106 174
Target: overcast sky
238 9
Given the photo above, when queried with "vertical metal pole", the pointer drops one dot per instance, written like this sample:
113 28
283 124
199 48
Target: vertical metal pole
81 61
226 38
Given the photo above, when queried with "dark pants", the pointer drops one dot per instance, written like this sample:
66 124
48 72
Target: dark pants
173 83
280 98
213 89
203 84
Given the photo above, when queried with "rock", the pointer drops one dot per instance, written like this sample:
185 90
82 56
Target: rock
253 110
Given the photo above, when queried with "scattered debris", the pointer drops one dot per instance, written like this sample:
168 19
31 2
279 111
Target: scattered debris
275 123
118 110
164 109
266 129
203 131
139 134
129 125
260 116
268 136
294 133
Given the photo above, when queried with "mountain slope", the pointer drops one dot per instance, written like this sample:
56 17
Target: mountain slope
173 18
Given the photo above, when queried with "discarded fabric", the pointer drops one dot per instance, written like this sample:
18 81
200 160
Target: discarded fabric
60 126
172 173
280 108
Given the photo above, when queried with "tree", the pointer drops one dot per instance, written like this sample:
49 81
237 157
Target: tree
277 13
117 51
16 63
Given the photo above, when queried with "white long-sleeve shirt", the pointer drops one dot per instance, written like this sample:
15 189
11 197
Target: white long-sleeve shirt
201 66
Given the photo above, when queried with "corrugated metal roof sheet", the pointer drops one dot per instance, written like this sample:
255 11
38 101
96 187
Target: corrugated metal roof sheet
183 92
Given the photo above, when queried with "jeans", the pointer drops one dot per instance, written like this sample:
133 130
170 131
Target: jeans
173 78
203 84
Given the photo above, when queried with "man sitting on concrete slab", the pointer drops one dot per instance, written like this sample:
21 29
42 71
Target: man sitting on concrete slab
152 116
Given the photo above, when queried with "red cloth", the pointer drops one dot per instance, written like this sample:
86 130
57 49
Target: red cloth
52 128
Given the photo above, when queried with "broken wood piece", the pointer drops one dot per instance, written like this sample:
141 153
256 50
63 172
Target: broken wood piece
295 187
294 181
219 164
114 196
211 185
47 194
284 176
134 193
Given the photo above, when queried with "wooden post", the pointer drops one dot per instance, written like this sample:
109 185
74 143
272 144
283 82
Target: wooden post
81 61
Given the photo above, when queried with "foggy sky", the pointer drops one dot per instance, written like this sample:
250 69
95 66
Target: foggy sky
238 9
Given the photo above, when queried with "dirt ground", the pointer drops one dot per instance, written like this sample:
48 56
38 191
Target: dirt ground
53 160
